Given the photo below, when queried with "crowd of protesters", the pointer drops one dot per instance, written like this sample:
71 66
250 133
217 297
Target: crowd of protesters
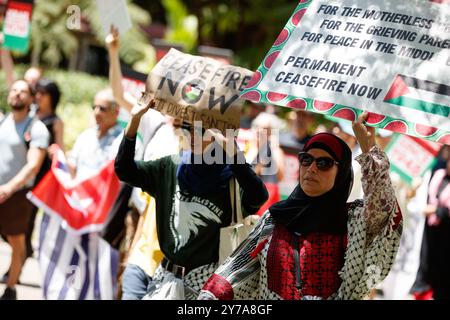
167 217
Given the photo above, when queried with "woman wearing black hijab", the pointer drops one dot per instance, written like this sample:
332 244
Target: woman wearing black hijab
315 245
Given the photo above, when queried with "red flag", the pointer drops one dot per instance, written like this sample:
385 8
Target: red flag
83 205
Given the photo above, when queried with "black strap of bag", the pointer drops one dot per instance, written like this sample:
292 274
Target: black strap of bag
235 218
26 137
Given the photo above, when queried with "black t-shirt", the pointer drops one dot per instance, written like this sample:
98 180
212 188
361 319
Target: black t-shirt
188 225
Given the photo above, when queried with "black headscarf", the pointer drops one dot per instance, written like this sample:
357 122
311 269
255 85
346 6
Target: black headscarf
326 213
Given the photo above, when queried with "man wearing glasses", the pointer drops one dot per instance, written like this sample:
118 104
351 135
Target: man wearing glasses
96 145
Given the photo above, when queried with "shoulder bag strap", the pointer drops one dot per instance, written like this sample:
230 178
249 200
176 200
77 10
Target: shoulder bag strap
239 215
233 200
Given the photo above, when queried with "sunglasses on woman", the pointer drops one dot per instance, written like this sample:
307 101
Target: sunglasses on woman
322 163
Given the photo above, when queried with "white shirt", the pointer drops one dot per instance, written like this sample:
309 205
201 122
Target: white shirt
90 152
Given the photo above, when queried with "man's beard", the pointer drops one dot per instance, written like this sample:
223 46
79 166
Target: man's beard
18 106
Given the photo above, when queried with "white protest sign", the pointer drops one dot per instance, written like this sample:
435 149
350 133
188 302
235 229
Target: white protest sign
391 58
196 88
114 12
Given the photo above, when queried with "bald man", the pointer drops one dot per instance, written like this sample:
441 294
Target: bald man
96 145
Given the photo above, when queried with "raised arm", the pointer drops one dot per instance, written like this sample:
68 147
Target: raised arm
7 65
115 73
136 173
380 203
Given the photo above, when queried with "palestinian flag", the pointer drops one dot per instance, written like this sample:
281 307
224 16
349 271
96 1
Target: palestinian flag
192 91
422 95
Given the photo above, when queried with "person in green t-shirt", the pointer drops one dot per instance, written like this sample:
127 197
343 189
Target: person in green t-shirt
193 199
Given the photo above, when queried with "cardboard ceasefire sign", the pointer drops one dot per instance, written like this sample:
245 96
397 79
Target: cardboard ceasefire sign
341 57
17 25
411 157
196 88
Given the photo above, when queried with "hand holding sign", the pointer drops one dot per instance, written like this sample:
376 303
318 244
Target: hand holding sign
141 107
365 135
112 39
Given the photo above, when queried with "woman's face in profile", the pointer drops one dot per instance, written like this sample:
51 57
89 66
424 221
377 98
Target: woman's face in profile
313 181
44 100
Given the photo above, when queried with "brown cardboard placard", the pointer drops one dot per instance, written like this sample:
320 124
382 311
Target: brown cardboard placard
195 88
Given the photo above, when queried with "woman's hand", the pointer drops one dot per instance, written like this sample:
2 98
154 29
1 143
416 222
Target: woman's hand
364 134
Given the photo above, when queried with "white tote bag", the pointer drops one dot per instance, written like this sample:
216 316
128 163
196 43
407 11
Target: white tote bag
171 288
239 229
